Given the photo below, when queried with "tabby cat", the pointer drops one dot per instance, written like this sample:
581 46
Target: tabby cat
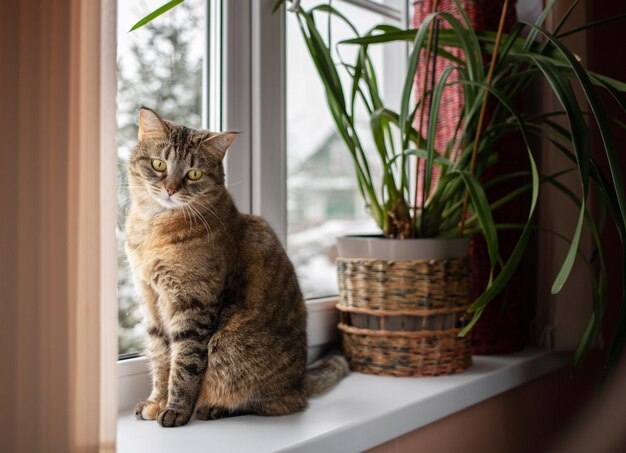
225 316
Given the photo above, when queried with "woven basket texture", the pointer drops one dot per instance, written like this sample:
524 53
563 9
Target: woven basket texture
402 318
436 354
404 285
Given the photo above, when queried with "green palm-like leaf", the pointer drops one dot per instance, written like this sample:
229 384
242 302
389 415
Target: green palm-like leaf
483 211
156 13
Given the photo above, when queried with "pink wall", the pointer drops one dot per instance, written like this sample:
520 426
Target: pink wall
527 419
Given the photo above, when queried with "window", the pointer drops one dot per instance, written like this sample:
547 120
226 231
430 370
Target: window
248 71
159 66
323 200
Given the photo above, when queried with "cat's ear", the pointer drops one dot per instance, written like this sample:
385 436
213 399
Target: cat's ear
151 126
220 141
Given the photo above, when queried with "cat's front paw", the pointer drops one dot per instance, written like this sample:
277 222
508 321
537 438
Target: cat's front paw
169 417
147 410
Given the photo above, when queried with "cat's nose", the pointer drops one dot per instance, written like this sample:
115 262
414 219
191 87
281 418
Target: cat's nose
171 190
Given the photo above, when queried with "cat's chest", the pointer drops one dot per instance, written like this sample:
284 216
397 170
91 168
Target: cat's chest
150 245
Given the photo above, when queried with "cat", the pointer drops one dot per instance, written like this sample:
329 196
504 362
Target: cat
225 316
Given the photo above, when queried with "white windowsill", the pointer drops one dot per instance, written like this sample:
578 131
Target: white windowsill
361 412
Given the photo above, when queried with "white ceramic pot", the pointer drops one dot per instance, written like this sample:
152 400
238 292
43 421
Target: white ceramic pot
380 248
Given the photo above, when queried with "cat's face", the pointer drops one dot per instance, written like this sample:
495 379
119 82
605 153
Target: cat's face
173 166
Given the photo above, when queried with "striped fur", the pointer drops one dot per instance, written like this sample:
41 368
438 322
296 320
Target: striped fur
225 317
323 374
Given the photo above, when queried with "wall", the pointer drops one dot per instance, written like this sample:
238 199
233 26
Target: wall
607 55
529 418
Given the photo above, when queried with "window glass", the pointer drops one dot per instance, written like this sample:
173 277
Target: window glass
323 200
158 66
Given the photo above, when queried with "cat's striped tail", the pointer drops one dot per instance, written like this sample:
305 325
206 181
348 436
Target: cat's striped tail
323 374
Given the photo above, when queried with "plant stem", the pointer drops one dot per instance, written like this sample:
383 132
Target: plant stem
483 109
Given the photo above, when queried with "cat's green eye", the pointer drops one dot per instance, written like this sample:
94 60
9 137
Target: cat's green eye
158 165
194 175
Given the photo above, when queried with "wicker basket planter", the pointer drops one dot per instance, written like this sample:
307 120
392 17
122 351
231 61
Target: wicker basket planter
402 304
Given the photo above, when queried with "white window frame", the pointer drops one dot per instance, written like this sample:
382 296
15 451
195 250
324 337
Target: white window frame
245 92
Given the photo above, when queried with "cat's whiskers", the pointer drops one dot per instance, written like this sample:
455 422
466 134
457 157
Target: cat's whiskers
233 184
204 222
195 224
195 221
198 214
185 219
140 191
209 208
128 187
142 198
139 198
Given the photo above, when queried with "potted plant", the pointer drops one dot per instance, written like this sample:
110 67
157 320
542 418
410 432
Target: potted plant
422 251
